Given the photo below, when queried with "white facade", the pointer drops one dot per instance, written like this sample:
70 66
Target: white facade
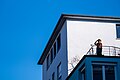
76 37
80 34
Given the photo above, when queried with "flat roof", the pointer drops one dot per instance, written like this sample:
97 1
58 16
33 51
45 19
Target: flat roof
75 17
85 56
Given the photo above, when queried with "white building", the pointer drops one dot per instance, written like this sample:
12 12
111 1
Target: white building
72 38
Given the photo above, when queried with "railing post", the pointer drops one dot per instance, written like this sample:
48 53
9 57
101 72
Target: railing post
92 51
115 51
109 50
118 52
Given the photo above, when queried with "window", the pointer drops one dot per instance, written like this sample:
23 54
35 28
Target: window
54 49
82 73
103 72
109 73
58 42
59 75
97 72
48 61
118 30
51 55
53 76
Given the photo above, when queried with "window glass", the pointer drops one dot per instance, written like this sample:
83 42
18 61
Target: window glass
58 42
48 61
59 75
53 76
54 49
118 31
103 72
51 55
83 75
97 72
109 73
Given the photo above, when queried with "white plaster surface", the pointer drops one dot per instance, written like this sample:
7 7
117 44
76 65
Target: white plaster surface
81 34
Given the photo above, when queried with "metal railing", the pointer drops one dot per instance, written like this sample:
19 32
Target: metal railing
106 51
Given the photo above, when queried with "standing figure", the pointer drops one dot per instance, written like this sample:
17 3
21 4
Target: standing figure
99 47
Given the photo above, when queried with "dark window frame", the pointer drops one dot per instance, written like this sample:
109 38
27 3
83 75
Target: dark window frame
52 55
55 51
59 75
109 72
97 72
48 61
53 76
118 31
82 73
104 69
58 42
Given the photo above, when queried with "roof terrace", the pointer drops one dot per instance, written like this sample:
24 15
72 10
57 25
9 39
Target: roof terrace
106 51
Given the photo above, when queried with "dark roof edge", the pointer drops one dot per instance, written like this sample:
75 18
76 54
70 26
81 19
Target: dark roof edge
56 30
93 18
77 15
89 56
61 21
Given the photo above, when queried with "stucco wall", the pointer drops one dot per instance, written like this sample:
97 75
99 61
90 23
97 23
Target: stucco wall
61 56
76 37
80 34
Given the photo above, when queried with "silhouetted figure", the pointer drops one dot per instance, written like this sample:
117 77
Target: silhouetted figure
99 47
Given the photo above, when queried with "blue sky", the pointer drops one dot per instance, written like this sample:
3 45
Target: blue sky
26 25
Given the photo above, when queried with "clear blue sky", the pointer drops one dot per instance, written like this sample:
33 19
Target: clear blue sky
26 25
